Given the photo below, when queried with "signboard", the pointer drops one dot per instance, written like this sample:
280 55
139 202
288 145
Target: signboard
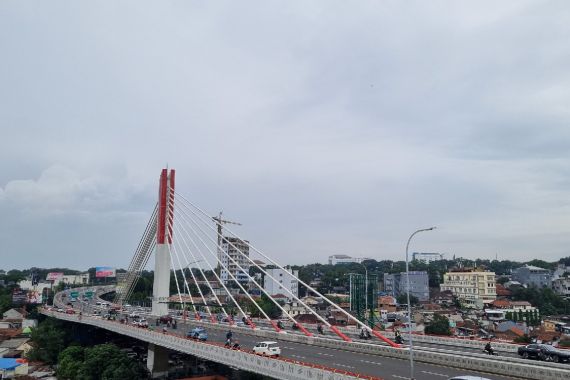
88 295
33 296
105 272
54 276
74 294
19 296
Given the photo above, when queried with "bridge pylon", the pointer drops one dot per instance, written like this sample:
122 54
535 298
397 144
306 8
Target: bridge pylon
165 219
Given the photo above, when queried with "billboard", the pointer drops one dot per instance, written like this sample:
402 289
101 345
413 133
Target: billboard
33 296
54 276
105 272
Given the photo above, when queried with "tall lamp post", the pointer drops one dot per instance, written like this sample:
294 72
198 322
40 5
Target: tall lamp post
365 291
409 305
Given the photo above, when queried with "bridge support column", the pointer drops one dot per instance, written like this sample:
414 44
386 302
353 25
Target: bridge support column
165 219
157 361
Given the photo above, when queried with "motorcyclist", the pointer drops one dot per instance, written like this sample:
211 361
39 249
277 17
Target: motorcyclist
228 343
364 333
320 328
398 337
229 335
280 325
236 345
489 349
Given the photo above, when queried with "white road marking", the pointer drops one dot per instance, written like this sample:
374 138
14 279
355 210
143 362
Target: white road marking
342 365
370 362
400 377
322 353
298 356
434 373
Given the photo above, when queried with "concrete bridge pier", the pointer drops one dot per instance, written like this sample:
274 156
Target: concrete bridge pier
157 361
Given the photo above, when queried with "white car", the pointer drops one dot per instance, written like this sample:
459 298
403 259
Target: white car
267 349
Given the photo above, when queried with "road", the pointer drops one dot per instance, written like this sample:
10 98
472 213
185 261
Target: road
365 364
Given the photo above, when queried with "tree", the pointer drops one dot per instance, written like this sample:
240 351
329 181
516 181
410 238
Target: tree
439 326
47 341
69 362
403 299
107 362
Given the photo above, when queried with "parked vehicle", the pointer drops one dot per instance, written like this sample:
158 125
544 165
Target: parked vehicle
267 349
70 311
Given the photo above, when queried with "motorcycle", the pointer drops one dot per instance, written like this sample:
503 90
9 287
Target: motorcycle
364 335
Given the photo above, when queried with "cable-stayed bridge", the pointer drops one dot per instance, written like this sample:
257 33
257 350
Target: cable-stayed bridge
180 234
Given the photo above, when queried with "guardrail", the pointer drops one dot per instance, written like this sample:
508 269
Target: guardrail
281 368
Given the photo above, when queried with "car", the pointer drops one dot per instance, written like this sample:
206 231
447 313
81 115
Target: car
134 315
199 333
70 311
268 348
530 351
165 319
127 305
551 354
98 303
60 310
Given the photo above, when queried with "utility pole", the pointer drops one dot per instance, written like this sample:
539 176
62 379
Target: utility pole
219 223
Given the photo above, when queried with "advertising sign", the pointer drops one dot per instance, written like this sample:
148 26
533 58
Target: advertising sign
54 276
33 296
19 296
105 272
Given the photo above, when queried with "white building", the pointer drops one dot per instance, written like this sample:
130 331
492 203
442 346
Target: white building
427 257
284 281
345 259
237 249
75 279
473 288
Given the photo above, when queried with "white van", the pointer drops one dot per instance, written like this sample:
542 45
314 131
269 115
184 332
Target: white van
267 349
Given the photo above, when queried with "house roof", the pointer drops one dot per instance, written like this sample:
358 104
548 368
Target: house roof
520 303
9 364
279 295
502 291
14 343
501 303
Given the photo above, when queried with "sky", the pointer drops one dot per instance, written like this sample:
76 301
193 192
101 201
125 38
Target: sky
324 127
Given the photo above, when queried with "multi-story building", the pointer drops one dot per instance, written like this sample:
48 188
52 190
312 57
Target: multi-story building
531 275
427 257
237 250
396 284
284 281
345 259
562 286
472 287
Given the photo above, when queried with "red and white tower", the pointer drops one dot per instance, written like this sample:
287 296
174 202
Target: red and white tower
161 287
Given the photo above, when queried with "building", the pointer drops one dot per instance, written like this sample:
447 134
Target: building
473 287
427 257
562 286
345 259
396 284
237 249
531 275
286 279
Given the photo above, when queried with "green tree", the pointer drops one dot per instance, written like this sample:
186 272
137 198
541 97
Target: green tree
439 326
107 362
69 362
403 299
509 316
47 341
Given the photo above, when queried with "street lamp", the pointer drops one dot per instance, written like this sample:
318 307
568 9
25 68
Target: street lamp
365 291
409 305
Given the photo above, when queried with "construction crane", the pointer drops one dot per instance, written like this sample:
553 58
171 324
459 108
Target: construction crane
220 222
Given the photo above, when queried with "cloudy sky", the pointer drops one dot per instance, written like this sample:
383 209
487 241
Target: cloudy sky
325 127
